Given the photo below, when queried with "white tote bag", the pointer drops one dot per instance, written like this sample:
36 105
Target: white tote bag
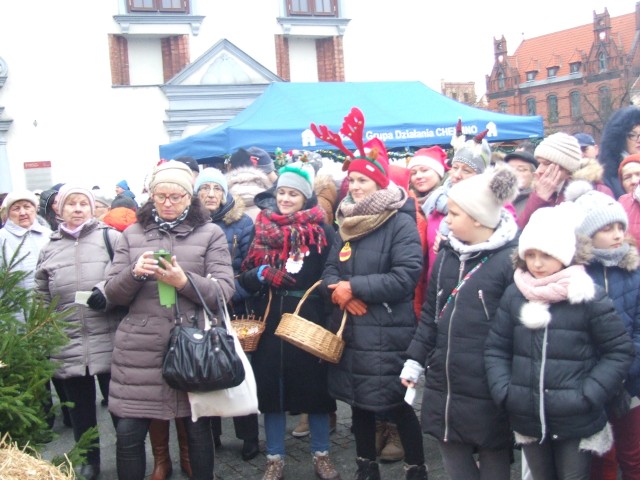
231 402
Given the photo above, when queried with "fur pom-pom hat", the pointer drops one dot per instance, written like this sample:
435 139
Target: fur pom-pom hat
483 196
552 230
599 209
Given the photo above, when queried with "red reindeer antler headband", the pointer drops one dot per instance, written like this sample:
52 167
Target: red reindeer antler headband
352 127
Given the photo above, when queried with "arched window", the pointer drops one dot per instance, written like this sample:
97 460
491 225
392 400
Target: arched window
604 101
576 110
552 108
502 107
531 106
501 81
602 61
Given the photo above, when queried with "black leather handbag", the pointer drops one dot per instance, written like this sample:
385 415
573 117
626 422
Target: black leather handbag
200 360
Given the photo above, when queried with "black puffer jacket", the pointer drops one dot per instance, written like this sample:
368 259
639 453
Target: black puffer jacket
579 360
383 269
288 378
457 405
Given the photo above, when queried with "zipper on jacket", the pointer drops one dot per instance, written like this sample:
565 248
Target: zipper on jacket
386 305
447 404
484 305
606 280
234 245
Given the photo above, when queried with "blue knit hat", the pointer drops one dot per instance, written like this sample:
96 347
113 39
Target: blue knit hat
212 175
123 184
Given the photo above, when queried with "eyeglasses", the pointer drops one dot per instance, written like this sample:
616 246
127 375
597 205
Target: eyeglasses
173 198
633 136
208 188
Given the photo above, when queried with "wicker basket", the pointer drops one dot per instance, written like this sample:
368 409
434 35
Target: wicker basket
249 329
309 336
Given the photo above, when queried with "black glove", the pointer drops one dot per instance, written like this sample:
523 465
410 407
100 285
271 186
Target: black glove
97 300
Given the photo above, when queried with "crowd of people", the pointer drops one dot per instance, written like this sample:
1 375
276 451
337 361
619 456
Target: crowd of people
506 287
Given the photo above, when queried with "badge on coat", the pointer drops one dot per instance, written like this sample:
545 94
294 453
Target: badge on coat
345 252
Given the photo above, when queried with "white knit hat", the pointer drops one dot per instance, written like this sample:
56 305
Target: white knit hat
16 195
483 196
552 230
562 149
599 209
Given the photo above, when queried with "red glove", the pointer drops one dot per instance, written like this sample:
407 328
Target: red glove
356 307
277 278
341 293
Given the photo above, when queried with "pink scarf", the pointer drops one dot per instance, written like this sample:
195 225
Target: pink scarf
551 289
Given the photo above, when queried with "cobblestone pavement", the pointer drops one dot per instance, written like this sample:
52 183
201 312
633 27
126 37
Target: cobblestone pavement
229 465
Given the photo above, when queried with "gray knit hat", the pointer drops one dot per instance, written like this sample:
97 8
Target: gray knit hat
472 157
562 149
299 176
599 209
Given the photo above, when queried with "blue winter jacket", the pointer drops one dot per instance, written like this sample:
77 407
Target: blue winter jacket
622 284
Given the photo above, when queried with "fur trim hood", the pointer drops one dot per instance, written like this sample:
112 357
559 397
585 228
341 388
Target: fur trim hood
248 176
536 315
235 209
591 171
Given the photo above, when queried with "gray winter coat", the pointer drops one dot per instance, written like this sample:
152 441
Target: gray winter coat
137 387
68 265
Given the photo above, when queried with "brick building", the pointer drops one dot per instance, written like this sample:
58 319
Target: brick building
573 78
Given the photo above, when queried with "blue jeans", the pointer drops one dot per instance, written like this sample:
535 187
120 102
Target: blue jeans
275 429
131 455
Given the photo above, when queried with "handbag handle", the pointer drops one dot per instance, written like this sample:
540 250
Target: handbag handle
222 306
305 296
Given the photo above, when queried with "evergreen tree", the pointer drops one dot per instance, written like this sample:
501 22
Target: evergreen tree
31 332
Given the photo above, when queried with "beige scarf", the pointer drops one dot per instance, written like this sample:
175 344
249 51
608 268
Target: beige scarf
356 220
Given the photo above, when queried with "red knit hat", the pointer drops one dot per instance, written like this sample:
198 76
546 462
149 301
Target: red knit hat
629 159
374 164
433 157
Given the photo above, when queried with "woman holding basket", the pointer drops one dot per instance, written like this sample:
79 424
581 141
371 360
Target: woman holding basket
285 259
372 272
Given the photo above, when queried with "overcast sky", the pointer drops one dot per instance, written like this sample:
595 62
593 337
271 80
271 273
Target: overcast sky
466 53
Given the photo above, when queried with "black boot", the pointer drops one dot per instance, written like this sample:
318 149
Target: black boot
367 470
415 472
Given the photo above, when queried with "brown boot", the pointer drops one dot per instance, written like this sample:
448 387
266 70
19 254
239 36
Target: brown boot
392 451
159 436
183 443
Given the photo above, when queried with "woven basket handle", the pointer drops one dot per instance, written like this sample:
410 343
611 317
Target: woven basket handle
266 311
342 324
306 295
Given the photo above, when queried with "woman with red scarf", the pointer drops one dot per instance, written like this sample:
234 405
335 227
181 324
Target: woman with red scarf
287 257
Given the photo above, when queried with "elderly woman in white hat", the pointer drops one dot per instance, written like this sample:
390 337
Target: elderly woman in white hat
22 233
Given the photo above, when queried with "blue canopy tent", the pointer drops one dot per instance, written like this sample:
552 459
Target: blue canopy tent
402 114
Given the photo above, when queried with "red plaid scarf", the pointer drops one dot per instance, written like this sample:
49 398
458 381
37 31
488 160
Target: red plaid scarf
280 236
